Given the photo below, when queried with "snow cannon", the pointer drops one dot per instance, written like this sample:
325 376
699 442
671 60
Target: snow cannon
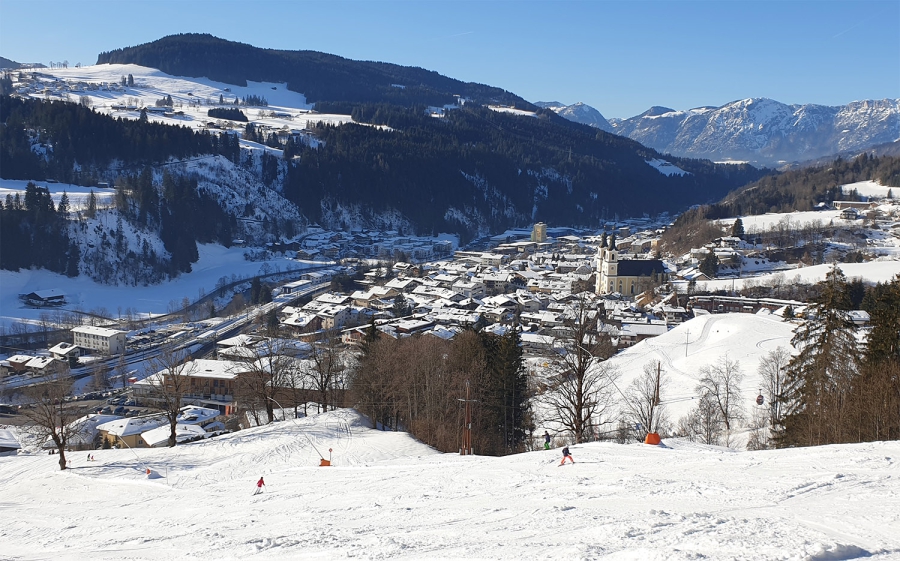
323 462
652 438
152 474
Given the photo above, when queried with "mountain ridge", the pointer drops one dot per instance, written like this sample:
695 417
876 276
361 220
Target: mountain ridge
762 131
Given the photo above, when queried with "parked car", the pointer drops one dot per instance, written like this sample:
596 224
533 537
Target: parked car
106 410
118 410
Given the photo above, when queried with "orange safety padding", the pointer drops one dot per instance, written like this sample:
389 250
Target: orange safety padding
324 462
652 438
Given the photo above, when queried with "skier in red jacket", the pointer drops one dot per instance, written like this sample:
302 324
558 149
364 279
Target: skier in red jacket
259 486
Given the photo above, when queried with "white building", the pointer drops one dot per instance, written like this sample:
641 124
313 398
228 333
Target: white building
106 341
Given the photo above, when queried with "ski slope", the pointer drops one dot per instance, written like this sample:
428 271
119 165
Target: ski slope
389 497
703 341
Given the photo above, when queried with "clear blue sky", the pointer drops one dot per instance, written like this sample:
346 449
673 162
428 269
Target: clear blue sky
620 57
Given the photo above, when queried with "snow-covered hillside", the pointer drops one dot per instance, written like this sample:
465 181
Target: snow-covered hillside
704 341
388 496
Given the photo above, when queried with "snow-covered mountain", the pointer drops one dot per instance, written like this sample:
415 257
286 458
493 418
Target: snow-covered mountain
760 130
578 112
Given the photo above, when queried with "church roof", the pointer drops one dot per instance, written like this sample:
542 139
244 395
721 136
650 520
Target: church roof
640 267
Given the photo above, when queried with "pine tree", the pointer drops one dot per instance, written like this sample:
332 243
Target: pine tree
710 264
63 208
883 342
821 375
92 205
737 229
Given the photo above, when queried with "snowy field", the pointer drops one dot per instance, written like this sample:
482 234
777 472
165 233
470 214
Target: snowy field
387 496
151 85
215 262
871 189
870 271
78 195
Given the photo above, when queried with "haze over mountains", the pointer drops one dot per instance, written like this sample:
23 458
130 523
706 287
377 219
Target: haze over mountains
758 130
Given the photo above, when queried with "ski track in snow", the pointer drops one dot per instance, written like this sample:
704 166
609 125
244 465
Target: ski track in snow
388 496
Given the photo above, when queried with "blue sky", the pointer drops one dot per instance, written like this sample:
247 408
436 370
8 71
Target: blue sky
620 57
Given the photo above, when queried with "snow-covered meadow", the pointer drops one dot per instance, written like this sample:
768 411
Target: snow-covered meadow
215 263
388 496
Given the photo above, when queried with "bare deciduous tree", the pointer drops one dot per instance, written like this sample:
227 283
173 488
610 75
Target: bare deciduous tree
51 416
170 378
721 384
325 365
772 371
265 371
645 406
581 395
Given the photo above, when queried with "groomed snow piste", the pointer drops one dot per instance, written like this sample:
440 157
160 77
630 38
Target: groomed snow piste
387 496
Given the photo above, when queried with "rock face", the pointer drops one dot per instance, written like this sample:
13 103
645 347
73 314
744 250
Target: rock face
760 130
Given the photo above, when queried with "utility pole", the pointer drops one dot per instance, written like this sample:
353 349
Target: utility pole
687 335
466 446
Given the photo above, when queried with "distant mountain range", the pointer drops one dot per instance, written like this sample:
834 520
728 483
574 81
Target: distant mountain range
757 130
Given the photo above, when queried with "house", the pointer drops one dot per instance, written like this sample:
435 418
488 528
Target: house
42 298
45 365
127 431
18 363
66 351
632 333
9 445
859 317
849 213
101 339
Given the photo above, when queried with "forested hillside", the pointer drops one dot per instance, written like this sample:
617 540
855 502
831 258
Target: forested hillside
72 144
68 142
478 170
320 76
802 189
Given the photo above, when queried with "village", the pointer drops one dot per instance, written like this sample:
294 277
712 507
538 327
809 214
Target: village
533 280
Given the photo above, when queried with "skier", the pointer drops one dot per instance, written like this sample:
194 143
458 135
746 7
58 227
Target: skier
546 440
259 486
566 455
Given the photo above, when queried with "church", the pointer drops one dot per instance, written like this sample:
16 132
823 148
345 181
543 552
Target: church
627 276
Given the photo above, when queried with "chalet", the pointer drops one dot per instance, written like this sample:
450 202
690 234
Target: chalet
66 352
43 298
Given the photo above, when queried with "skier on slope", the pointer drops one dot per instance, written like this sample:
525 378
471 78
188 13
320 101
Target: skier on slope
546 440
259 486
566 455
